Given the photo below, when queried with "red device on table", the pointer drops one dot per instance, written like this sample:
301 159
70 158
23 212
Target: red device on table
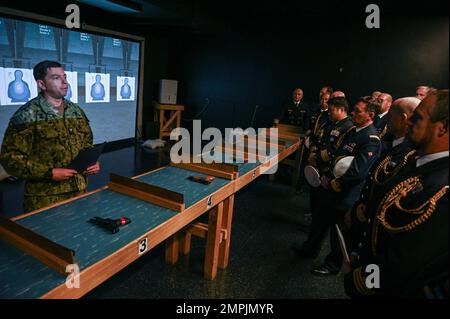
202 179
110 224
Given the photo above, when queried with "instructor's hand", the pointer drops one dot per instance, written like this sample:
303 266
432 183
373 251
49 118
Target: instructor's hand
62 174
94 169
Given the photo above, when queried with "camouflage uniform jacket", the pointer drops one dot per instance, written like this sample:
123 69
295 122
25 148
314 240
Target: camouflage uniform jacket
38 139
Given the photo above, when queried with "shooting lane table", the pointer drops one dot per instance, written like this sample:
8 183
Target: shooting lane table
100 254
295 163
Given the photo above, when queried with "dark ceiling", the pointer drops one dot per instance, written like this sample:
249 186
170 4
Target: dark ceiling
205 15
206 12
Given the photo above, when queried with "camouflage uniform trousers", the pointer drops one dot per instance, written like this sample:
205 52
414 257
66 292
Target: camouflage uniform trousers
33 202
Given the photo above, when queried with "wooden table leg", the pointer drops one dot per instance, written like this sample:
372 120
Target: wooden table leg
224 251
172 249
185 243
212 242
161 123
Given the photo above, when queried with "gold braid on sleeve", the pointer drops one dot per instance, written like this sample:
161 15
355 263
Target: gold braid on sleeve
382 174
316 125
383 133
341 138
393 197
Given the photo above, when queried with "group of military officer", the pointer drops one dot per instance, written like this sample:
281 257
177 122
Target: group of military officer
383 182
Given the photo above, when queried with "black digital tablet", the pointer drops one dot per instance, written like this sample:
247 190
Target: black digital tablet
86 157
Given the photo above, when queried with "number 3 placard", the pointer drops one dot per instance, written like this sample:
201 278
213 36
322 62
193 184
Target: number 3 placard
142 246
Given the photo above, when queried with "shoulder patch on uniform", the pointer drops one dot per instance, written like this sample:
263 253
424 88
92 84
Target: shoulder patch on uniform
27 113
375 137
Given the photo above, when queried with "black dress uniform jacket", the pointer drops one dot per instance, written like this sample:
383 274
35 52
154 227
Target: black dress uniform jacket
386 167
381 124
365 146
319 125
409 241
297 115
333 136
315 111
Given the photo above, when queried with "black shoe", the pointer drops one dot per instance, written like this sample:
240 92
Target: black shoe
302 252
324 270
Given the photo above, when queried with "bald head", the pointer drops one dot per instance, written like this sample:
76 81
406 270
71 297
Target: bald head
401 111
337 94
405 105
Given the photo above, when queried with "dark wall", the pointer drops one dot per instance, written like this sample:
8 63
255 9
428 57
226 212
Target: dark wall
242 56
258 63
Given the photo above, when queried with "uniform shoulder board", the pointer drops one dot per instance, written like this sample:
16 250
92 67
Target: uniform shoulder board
375 137
351 127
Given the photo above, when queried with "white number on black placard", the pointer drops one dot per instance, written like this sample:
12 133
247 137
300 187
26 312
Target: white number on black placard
142 247
208 205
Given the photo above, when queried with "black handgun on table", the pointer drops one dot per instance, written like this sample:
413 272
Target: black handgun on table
110 224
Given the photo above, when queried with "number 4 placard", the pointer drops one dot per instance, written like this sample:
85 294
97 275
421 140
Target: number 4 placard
142 246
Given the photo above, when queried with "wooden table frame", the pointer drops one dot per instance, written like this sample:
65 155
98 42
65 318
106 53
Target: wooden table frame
291 132
166 125
220 207
218 230
217 234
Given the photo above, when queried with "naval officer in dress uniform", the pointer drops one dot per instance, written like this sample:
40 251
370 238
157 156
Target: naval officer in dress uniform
297 112
363 145
332 136
409 242
396 155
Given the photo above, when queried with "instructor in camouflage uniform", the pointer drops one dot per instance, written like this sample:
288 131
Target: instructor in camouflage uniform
43 137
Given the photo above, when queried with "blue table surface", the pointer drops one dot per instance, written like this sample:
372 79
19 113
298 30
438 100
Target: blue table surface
22 276
244 167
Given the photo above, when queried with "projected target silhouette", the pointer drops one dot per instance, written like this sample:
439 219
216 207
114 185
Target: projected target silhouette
125 90
18 90
97 89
